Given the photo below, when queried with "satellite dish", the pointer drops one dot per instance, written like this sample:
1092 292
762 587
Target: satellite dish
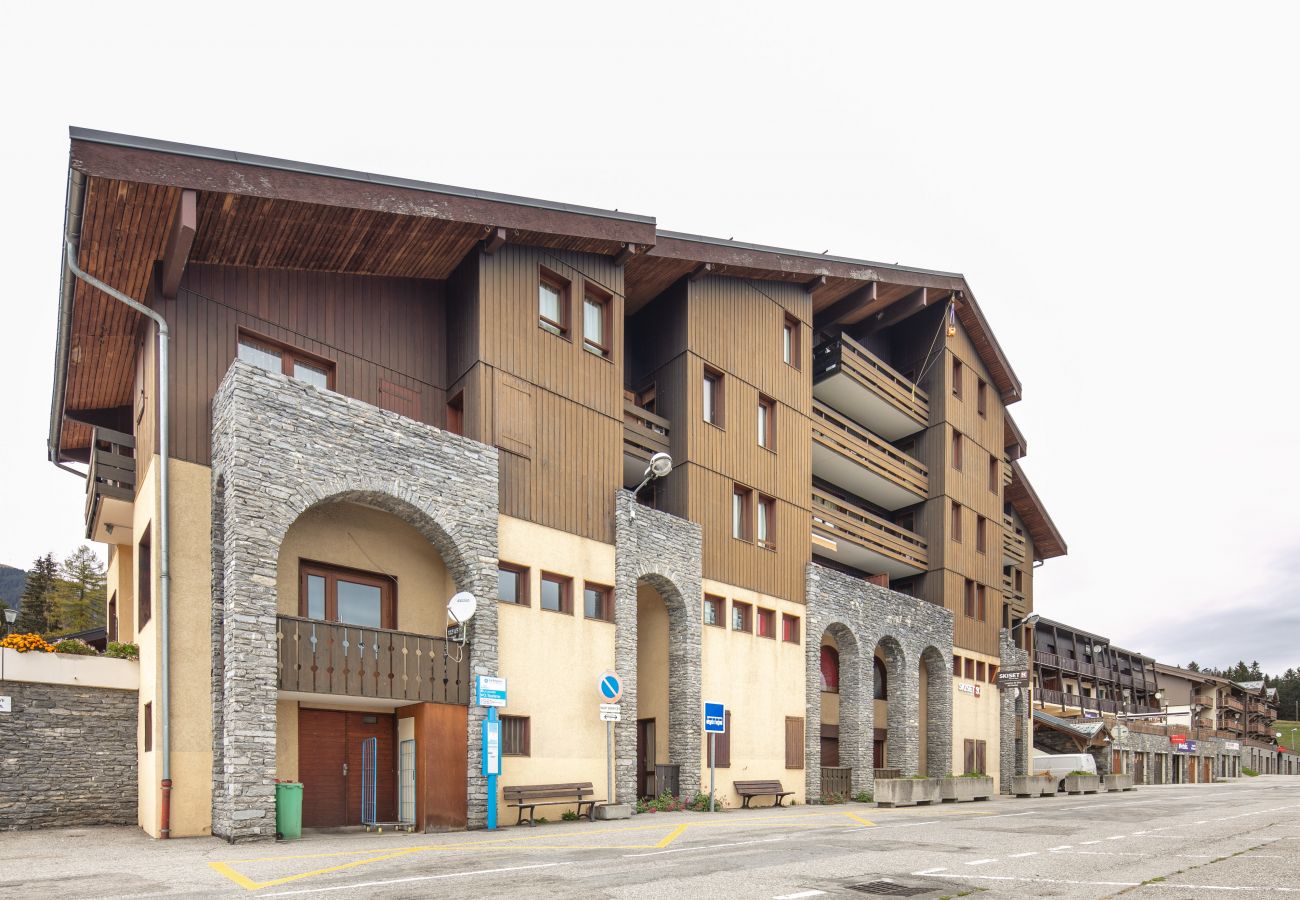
461 607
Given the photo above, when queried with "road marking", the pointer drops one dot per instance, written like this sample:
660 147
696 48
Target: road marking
367 884
931 871
1044 880
1086 843
1020 855
1165 884
708 847
860 821
1062 847
980 862
1117 837
798 895
908 825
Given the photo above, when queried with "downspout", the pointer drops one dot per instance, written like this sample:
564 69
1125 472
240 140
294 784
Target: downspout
164 582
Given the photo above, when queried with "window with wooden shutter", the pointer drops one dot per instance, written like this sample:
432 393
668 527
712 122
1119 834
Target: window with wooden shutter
398 399
516 736
514 416
723 744
794 742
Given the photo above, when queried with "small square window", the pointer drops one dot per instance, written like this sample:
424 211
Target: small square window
553 303
790 341
980 523
766 525
789 628
713 397
285 359
995 472
766 422
956 450
766 623
956 377
969 599
147 727
516 736
979 671
556 593
740 617
981 397
596 602
595 321
512 583
715 610
741 497
956 666
956 521
970 669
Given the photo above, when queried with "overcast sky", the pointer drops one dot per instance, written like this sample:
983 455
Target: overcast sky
1118 182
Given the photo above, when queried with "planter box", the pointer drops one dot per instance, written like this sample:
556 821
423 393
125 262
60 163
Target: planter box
954 790
1119 783
1033 785
907 791
1082 784
66 668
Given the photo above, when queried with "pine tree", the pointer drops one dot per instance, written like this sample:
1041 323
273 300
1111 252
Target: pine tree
80 593
1255 673
1193 666
36 607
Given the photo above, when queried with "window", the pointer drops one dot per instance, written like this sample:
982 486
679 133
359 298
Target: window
144 580
981 397
993 674
956 377
790 341
980 522
794 742
275 357
722 742
456 414
994 472
830 666
715 610
979 671
956 666
789 628
556 593
766 623
553 303
970 669
148 727
595 321
516 736
713 397
956 521
968 601
880 690
1020 581
974 757
740 616
595 602
512 583
766 422
766 522
740 500
956 450
348 596
981 595
112 617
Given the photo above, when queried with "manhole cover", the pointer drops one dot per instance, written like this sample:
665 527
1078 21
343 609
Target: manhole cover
887 888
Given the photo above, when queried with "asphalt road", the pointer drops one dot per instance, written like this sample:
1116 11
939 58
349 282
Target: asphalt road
1240 838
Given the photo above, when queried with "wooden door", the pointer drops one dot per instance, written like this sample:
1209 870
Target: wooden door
329 765
1139 768
878 754
645 757
830 746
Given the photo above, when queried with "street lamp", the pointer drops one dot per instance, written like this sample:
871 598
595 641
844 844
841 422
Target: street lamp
11 616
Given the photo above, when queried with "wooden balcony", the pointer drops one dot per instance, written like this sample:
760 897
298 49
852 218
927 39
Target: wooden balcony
846 454
330 658
110 487
1203 700
1007 474
1009 589
1232 703
644 434
853 379
851 535
1014 549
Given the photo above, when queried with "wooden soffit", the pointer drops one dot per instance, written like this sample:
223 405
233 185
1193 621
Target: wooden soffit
1048 542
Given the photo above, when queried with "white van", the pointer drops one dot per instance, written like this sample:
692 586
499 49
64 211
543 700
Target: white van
1062 764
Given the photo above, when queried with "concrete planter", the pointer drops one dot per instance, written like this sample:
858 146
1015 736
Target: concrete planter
1082 784
954 790
69 669
1119 783
1033 785
907 791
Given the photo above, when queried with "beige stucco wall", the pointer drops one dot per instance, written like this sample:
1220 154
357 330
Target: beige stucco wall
553 662
119 579
976 718
286 740
360 537
652 666
761 681
148 787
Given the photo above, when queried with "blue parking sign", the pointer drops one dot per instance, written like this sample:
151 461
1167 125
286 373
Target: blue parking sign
715 719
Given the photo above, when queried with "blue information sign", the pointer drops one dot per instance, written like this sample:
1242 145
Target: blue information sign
1185 747
715 719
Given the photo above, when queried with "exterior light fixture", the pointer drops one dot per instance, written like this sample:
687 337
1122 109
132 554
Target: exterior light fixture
660 465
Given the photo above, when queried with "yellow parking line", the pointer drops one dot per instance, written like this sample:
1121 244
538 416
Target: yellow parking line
860 820
672 836
248 883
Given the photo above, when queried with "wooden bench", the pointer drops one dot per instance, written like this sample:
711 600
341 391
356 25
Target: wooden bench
749 789
530 796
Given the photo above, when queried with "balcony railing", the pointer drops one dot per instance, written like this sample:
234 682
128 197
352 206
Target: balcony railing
903 408
331 658
1232 703
110 486
1007 474
839 520
1014 550
851 442
1009 588
1203 700
644 433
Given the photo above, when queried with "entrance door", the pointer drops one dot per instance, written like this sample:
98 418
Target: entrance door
1139 768
1206 775
329 765
645 757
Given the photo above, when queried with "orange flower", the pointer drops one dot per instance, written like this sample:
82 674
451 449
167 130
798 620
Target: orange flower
24 643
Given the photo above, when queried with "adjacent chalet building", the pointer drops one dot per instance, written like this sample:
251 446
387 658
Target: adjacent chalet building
372 393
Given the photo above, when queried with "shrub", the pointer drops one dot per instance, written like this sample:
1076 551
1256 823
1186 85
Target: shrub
700 803
973 775
832 798
569 816
1079 772
117 650
1249 773
76 647
25 643
863 797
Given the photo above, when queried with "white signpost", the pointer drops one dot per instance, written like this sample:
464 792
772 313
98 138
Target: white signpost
715 723
610 688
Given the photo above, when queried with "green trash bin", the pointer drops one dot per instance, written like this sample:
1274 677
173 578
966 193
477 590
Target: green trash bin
288 810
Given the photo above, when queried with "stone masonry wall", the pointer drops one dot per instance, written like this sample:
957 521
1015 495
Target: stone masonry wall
664 551
1011 710
279 447
860 615
67 756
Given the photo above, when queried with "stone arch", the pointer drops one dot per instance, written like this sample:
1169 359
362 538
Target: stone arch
854 708
938 712
900 742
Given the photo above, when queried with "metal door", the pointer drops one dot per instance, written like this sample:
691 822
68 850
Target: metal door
406 782
369 779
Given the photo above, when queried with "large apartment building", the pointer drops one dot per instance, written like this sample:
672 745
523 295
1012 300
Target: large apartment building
378 392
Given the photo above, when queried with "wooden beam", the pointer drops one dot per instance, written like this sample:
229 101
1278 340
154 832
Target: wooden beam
178 243
494 241
832 314
896 312
700 271
628 251
819 281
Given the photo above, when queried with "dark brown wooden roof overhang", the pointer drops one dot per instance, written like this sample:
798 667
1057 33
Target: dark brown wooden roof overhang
1048 542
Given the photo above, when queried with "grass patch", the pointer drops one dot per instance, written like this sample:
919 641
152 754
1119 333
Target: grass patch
1248 772
1290 739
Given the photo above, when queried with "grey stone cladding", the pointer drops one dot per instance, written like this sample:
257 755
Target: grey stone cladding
860 617
665 552
67 756
1012 759
279 447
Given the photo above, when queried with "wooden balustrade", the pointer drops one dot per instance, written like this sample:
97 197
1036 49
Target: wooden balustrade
849 439
845 521
1014 548
848 356
644 433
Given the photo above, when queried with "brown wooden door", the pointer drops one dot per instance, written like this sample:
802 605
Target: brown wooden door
1139 768
329 765
645 757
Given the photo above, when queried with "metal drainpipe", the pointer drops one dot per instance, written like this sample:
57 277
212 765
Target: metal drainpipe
164 581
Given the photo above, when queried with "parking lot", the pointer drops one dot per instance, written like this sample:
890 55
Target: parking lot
1169 841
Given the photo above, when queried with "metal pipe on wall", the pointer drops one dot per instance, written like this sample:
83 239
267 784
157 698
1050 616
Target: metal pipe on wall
164 533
